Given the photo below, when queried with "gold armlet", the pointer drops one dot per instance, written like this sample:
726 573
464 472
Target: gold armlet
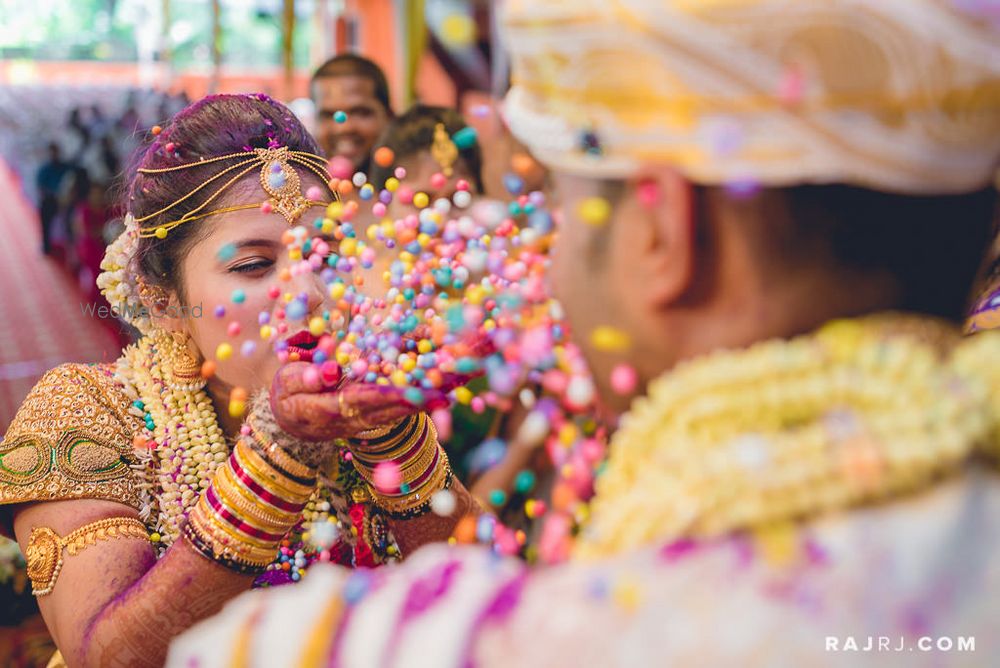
45 547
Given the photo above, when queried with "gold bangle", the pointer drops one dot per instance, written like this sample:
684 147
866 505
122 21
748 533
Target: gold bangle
278 456
417 498
235 491
227 542
268 477
44 553
250 511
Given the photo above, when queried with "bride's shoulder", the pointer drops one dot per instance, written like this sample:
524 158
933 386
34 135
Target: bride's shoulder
71 438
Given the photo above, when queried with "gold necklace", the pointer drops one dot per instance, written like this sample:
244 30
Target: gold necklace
858 411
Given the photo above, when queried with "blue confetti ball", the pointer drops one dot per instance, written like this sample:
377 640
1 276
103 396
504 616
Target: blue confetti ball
464 138
296 310
414 396
239 296
227 252
513 183
339 117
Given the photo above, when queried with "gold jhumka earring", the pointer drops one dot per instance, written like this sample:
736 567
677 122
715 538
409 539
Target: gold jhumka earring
443 150
185 372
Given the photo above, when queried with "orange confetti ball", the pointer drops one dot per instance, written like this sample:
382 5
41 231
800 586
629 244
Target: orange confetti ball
465 530
208 369
238 394
345 187
156 129
384 156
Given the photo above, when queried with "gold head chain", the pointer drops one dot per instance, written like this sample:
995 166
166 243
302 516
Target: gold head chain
277 177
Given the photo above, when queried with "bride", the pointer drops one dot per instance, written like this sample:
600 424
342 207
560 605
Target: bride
147 492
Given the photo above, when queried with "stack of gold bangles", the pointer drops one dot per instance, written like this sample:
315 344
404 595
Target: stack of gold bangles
423 465
252 503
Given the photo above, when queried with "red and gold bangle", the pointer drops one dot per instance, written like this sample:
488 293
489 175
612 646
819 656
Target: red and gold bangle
242 517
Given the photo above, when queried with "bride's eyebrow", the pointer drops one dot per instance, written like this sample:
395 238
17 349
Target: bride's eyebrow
255 242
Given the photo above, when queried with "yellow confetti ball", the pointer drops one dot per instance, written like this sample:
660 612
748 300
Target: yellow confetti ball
223 352
474 294
421 200
391 184
237 408
348 247
408 364
399 378
458 30
568 434
295 254
265 332
343 358
778 543
610 339
388 229
327 227
423 239
155 537
424 346
463 395
594 211
317 326
337 290
335 210
372 232
627 594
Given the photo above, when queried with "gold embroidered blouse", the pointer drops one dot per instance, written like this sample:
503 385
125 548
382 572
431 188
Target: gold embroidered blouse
71 439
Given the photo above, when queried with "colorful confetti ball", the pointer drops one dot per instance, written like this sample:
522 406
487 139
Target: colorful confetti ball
624 379
383 156
233 329
266 207
497 497
239 296
438 180
207 369
219 311
458 31
227 252
156 129
594 211
421 200
248 347
314 193
524 481
443 503
223 352
317 326
462 199
610 339
465 138
387 477
340 167
237 408
339 116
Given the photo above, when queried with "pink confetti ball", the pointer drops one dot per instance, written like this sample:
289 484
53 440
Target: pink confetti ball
624 379
387 477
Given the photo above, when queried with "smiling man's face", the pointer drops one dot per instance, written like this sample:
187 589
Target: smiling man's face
366 117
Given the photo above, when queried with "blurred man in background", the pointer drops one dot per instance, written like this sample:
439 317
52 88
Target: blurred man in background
357 87
49 180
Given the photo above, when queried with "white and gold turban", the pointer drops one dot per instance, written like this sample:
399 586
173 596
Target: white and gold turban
897 95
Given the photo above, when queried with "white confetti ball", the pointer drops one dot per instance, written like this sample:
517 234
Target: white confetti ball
462 199
443 503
